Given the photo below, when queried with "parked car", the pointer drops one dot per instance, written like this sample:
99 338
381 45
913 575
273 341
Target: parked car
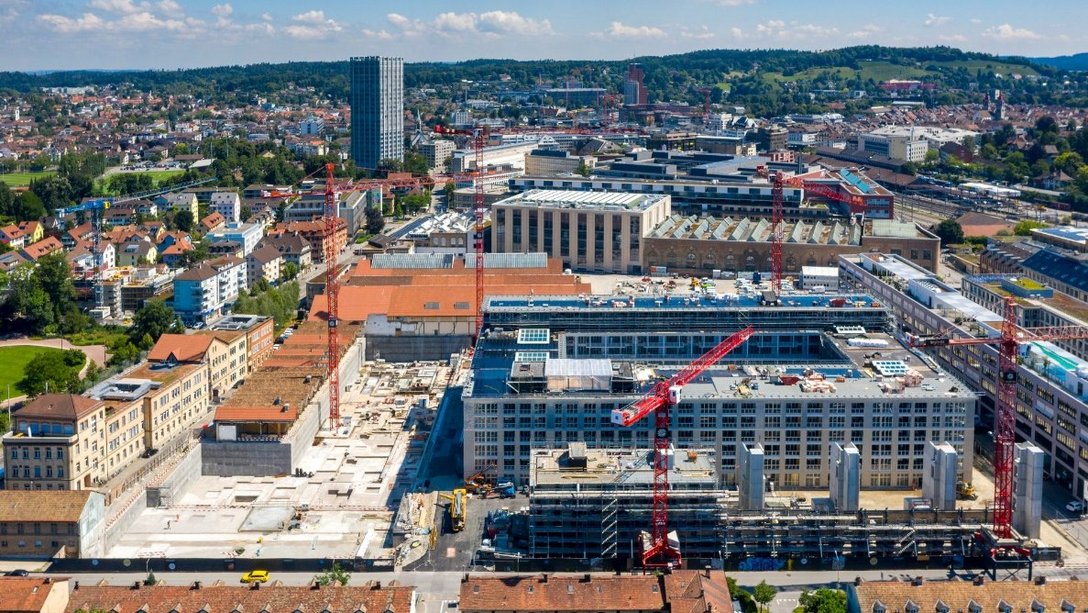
18 572
1075 506
255 576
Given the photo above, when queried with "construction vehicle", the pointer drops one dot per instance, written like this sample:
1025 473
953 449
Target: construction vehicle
480 483
506 489
457 508
966 491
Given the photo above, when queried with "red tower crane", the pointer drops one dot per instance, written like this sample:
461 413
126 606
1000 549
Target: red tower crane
479 138
778 182
664 395
332 290
1008 344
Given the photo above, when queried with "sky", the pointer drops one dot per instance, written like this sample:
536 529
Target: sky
136 34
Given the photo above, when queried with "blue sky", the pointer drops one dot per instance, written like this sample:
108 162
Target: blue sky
66 34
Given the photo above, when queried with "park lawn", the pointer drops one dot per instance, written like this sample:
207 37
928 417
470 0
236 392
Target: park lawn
13 359
22 179
158 176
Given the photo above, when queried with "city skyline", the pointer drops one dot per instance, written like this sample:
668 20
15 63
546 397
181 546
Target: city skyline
138 34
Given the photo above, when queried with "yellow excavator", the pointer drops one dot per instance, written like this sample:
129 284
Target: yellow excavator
458 508
966 491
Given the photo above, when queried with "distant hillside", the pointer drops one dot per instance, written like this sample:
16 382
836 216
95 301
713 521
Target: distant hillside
1078 61
767 82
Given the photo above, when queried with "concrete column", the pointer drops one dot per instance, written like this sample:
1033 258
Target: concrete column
525 228
845 477
1028 489
608 264
750 477
591 250
939 475
572 237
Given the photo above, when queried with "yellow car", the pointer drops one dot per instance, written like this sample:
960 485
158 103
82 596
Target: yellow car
255 576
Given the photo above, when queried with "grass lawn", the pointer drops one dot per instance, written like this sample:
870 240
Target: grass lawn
13 359
20 179
158 176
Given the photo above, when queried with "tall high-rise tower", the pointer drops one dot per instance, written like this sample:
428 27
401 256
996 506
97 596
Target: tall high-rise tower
377 110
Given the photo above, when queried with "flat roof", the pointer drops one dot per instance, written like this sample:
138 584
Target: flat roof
555 198
626 468
667 303
745 229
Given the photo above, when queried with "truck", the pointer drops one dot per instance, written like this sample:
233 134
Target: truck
457 509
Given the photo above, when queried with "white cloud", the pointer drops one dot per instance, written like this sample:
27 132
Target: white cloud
953 38
510 22
118 6
778 29
170 7
618 29
1009 32
223 10
266 16
455 22
866 31
936 20
976 20
312 25
735 2
60 23
702 33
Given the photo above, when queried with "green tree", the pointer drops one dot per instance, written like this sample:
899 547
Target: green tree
449 188
55 278
53 371
27 300
183 220
1068 162
415 163
823 600
29 207
334 574
289 271
130 183
1024 227
151 322
375 221
7 201
763 593
949 231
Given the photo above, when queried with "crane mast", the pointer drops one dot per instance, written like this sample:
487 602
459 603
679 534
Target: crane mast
659 553
1008 346
332 291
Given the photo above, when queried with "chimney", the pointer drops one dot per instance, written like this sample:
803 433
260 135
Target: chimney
587 578
135 585
196 585
377 585
917 581
76 586
1040 580
979 580
256 585
544 578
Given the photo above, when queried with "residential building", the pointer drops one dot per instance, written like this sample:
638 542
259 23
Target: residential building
600 231
209 287
223 351
293 246
34 594
57 443
1051 396
350 206
311 126
260 335
201 596
377 110
58 524
314 233
212 222
137 253
449 232
41 248
34 230
170 396
13 237
247 235
264 263
969 596
438 153
227 204
681 591
559 365
181 201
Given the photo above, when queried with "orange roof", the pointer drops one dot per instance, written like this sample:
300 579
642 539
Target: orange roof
19 594
47 245
184 347
256 414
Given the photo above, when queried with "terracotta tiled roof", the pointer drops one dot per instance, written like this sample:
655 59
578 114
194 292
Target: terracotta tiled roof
19 594
212 220
43 505
959 595
184 347
59 406
274 598
256 414
43 247
562 593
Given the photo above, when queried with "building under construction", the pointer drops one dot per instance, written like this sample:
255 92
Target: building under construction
822 398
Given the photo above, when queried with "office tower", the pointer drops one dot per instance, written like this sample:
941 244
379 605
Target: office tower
377 110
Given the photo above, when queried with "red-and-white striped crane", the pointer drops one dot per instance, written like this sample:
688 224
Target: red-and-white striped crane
1008 345
659 553
332 291
479 138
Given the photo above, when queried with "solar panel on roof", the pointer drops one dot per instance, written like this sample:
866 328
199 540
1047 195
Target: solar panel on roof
890 368
530 356
534 336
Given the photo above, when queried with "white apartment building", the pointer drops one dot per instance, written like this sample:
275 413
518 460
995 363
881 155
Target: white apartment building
227 204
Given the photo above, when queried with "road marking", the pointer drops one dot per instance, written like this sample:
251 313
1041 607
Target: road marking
451 552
